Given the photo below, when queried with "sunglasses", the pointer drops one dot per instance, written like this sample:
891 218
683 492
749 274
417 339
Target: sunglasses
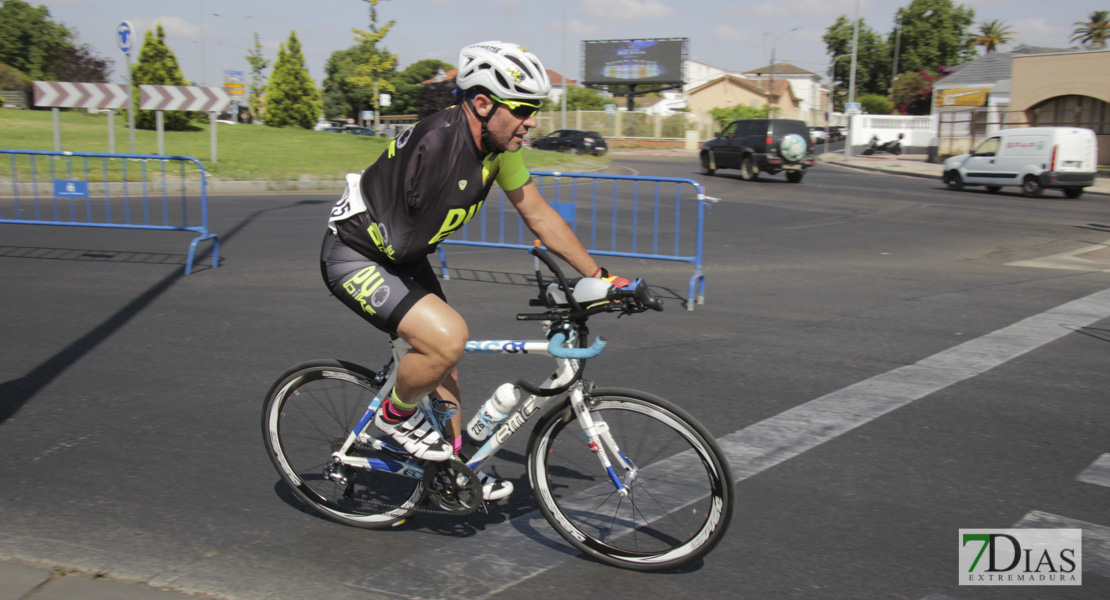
521 110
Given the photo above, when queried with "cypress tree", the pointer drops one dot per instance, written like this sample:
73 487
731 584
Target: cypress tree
158 66
291 97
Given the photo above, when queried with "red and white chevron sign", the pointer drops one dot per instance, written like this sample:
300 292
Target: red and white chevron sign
80 95
183 97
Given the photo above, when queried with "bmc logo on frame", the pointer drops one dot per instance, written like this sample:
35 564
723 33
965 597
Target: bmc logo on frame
1021 557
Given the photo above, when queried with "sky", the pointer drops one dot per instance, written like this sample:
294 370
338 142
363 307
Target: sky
211 36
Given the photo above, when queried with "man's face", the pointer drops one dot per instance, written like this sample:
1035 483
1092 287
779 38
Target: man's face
507 130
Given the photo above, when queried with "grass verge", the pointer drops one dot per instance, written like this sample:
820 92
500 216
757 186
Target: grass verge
244 152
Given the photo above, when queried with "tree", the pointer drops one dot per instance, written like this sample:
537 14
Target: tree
934 34
991 35
291 97
580 98
1094 32
724 116
44 50
369 75
343 99
258 80
913 92
79 63
407 84
875 104
872 60
157 65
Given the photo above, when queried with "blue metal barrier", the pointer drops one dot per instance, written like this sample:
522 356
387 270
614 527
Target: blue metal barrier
118 204
607 217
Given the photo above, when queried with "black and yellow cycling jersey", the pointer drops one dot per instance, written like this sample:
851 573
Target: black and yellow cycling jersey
429 182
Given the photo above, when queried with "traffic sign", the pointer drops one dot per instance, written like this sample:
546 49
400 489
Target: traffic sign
80 95
610 109
125 36
183 97
852 108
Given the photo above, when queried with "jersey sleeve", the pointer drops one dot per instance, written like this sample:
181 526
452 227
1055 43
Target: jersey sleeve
512 173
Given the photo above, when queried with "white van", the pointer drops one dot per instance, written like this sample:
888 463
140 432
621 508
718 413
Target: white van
1034 158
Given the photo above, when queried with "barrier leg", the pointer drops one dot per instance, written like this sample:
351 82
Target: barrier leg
443 263
193 250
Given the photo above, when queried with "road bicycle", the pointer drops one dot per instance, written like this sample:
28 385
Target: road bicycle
627 478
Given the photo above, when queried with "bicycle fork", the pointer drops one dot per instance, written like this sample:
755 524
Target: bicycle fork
599 437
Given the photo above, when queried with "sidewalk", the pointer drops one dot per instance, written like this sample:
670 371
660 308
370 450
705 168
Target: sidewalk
19 582
914 165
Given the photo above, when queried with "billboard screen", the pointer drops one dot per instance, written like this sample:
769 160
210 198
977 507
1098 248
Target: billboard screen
628 62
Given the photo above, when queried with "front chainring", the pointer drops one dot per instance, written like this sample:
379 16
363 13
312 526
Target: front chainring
453 486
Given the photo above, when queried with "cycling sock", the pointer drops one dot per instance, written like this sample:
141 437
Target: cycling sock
395 410
457 444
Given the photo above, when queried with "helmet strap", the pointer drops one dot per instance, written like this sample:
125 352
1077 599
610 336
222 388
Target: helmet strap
486 141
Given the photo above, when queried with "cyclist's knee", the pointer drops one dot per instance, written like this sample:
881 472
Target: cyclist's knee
436 330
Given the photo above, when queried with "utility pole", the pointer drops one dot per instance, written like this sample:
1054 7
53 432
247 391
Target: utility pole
852 83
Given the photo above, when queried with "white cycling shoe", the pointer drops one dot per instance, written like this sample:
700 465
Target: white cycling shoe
417 436
494 489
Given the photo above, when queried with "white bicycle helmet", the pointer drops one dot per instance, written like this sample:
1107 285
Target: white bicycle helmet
506 70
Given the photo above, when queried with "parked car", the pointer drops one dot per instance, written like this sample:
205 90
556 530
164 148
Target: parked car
760 146
331 129
574 141
837 133
817 134
356 130
1034 158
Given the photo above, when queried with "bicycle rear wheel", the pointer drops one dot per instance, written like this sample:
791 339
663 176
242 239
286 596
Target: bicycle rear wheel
308 414
680 500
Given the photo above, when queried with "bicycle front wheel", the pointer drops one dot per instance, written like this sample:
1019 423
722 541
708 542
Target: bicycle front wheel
680 489
309 413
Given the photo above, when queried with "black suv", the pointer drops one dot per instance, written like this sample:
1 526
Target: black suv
575 141
760 146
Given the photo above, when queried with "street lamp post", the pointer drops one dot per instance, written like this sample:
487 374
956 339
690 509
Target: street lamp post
852 82
771 85
832 70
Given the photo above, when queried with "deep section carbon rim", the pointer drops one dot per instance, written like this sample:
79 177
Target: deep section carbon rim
680 500
308 415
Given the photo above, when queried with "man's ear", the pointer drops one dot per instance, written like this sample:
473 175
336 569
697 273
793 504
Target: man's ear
483 104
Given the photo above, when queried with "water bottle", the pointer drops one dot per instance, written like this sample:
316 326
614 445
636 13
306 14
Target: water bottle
500 403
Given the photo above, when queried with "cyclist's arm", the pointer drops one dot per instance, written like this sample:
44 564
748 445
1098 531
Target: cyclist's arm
552 230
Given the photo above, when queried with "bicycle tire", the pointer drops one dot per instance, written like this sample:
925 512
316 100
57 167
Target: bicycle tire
308 413
679 506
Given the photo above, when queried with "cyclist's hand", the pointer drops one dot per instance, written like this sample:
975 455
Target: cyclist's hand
616 281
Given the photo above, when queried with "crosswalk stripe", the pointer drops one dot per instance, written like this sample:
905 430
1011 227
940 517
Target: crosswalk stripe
500 557
1096 538
1098 473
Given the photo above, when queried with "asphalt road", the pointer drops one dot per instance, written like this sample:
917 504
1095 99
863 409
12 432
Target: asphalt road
131 395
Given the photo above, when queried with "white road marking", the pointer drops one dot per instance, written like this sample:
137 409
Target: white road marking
501 557
1096 538
1098 473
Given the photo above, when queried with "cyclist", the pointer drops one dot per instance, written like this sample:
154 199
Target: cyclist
430 181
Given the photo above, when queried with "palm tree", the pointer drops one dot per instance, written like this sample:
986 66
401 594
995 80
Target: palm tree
1093 33
992 34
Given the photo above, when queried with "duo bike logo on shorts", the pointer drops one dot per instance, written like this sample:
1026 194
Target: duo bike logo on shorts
1021 557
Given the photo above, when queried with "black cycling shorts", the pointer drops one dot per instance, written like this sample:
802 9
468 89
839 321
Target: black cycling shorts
381 293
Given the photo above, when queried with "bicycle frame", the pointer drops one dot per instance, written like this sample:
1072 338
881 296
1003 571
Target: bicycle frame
595 429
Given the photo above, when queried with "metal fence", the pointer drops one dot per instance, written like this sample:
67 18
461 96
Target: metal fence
121 191
655 218
961 130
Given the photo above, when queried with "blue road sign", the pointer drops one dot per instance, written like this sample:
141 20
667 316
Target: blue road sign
125 36
68 188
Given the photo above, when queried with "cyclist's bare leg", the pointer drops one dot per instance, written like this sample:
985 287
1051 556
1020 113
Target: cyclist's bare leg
437 334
